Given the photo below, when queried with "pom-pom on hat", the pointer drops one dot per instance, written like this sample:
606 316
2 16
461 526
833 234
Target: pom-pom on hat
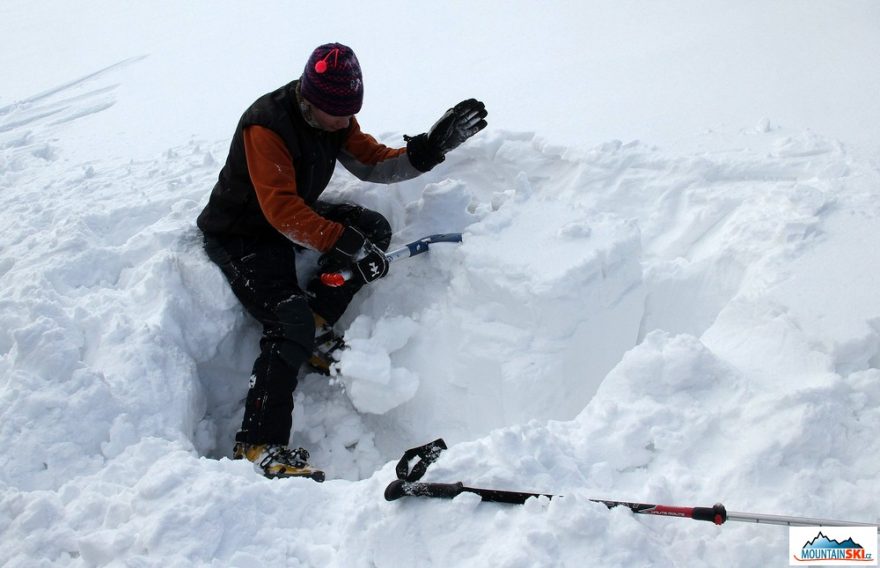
332 80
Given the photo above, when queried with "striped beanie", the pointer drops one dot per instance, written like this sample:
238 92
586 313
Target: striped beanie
332 80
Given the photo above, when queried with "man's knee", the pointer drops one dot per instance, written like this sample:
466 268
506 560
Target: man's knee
372 224
294 329
375 227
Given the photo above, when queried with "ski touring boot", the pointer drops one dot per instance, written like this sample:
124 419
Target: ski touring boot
327 343
275 460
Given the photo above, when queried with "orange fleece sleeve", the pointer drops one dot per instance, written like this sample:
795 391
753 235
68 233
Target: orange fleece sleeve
371 161
366 149
272 173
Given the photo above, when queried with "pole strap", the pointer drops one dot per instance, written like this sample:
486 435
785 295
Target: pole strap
427 455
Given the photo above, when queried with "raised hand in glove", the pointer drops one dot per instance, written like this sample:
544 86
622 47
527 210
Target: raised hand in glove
354 251
455 126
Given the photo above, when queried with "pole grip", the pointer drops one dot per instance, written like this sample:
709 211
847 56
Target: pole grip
716 514
400 488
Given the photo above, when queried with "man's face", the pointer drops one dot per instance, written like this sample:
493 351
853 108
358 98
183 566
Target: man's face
329 122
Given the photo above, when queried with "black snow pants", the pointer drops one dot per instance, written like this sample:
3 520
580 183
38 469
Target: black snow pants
262 274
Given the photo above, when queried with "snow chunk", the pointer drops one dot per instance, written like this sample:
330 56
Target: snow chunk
365 367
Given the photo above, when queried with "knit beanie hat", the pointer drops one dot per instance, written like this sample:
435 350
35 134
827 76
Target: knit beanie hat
332 80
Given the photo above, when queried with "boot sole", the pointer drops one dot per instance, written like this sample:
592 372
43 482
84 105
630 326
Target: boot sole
315 475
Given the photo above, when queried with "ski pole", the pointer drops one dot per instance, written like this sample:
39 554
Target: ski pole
407 484
793 521
717 514
336 279
400 488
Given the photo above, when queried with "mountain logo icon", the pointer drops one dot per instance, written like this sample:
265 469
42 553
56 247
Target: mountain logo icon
822 541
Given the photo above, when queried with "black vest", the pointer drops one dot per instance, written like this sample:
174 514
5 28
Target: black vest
233 208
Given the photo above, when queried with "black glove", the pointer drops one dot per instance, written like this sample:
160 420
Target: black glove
354 251
455 126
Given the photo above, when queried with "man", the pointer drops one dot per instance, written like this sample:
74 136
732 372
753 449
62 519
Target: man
265 207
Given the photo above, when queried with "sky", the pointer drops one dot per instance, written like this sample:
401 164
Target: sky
574 72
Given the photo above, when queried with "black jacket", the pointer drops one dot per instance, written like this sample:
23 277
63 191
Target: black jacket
233 207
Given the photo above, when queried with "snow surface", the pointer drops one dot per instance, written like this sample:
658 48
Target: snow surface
685 320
